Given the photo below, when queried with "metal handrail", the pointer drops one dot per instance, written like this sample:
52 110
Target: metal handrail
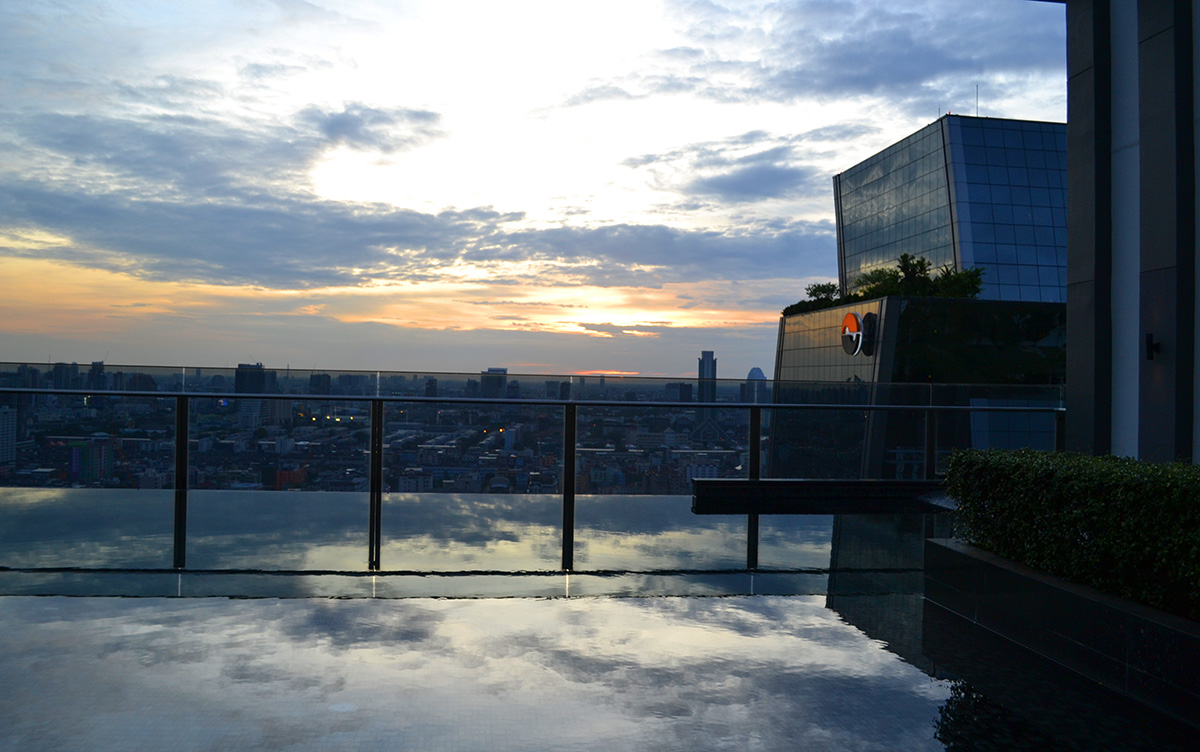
570 435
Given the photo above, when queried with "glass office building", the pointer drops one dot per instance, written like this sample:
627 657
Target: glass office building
914 351
963 192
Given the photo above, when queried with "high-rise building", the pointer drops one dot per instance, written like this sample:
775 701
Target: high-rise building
96 378
8 435
962 192
707 384
755 388
678 391
493 382
251 378
65 376
252 413
320 383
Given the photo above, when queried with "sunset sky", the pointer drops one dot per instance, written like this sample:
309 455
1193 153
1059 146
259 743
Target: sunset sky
554 187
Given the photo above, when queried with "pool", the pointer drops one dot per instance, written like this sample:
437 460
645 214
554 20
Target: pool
472 640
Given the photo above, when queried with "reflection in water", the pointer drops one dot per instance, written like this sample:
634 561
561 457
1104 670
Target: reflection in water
654 532
327 531
480 532
583 671
876 578
279 530
63 527
660 532
645 674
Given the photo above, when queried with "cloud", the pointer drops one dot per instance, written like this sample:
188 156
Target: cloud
169 91
386 130
753 183
754 166
262 71
507 303
606 92
917 55
296 242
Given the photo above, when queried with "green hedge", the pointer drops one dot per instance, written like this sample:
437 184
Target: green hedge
1122 526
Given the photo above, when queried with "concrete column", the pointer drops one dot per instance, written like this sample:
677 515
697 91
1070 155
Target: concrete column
1168 230
1126 230
1131 222
1089 227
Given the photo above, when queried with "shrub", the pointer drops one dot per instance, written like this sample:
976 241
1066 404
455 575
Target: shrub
1122 526
910 278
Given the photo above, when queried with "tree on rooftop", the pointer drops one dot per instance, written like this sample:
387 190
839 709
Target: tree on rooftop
911 277
823 291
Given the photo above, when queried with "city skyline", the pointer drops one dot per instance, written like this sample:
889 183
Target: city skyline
447 187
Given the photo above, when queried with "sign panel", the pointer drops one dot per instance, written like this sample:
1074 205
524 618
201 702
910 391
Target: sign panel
852 333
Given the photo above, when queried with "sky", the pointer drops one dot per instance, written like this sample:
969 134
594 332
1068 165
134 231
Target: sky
552 187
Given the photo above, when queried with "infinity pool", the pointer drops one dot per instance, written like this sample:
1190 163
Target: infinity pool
521 674
276 638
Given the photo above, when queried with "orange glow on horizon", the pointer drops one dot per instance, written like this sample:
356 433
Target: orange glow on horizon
50 298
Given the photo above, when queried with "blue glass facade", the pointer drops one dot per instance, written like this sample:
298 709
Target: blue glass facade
963 192
895 202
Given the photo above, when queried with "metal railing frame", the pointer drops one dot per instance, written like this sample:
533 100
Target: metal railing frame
570 440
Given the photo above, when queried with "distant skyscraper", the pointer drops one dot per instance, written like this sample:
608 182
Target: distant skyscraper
320 383
493 382
756 387
250 378
679 391
707 387
8 435
65 376
96 378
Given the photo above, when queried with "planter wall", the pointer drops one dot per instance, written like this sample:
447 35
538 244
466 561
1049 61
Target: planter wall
1137 651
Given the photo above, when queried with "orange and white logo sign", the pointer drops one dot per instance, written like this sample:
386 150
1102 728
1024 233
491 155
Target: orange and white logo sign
852 334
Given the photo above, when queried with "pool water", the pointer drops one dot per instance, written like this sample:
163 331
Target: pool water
277 637
646 673
584 673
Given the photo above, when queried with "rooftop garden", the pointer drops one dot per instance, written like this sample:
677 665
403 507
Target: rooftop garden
913 276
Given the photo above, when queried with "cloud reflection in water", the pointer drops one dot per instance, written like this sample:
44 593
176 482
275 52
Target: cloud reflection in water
638 673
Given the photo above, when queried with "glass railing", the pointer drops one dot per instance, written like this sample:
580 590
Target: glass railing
167 468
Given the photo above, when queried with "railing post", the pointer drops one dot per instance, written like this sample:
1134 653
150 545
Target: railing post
930 444
755 458
374 534
181 481
754 473
570 426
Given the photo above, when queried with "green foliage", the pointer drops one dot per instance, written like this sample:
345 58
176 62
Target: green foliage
1122 526
911 277
964 284
823 291
804 306
879 282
